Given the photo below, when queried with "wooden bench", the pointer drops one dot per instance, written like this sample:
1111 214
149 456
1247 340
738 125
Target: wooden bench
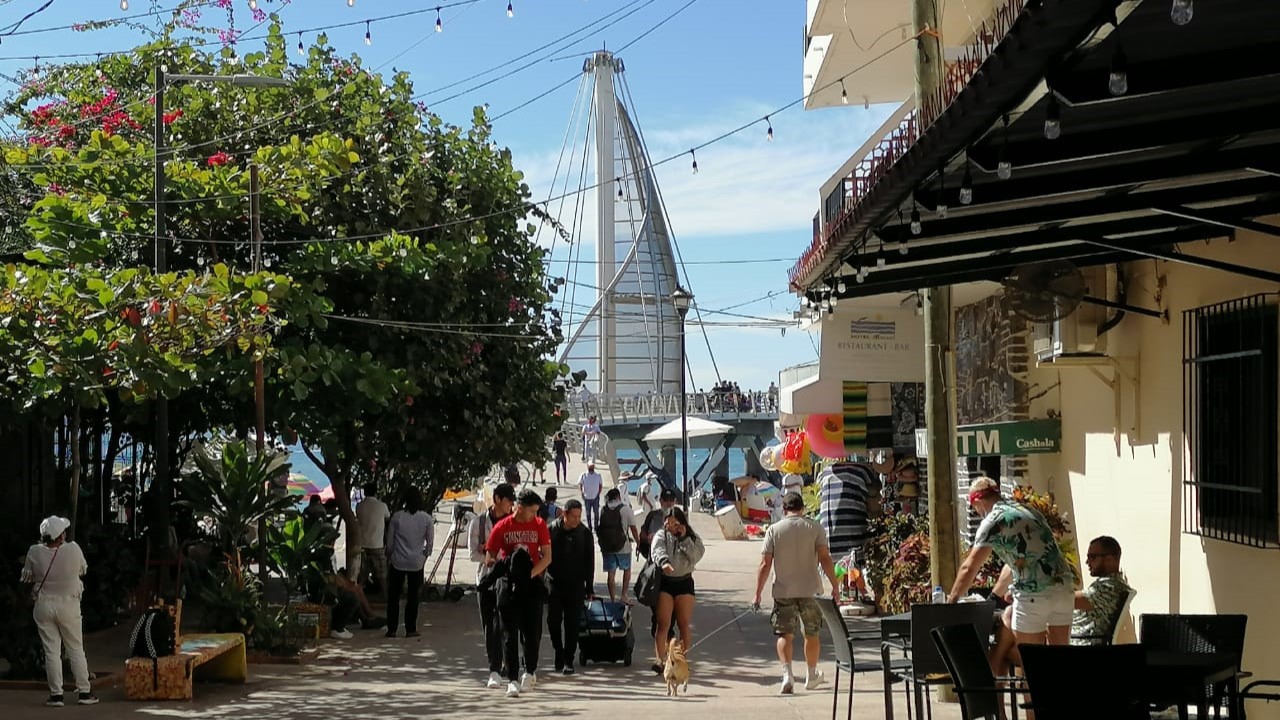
219 656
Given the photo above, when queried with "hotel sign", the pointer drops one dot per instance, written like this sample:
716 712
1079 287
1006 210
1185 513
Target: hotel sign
1016 437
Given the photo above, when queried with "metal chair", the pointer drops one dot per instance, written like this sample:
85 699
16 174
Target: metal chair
1059 677
842 643
965 655
1200 634
927 667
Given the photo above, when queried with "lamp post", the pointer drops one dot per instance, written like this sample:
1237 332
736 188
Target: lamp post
682 299
160 480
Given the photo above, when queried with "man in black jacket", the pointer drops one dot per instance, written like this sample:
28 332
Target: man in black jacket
572 573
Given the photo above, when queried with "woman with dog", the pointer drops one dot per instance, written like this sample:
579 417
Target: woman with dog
676 549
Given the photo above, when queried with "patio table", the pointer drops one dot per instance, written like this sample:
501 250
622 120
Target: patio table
1171 676
898 627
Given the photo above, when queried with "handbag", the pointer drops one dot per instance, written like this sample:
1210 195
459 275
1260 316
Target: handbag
648 584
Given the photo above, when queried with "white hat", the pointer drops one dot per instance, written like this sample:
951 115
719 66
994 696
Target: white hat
53 526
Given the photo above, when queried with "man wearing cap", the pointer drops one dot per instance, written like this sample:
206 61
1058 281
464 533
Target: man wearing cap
1043 596
794 549
54 567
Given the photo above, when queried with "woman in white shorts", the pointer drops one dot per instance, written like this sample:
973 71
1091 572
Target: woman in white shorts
1043 596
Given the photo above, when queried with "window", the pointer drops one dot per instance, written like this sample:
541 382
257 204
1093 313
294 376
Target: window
1229 421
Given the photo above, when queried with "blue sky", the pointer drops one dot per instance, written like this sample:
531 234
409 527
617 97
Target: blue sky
714 66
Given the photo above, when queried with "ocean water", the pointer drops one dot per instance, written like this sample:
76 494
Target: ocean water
737 462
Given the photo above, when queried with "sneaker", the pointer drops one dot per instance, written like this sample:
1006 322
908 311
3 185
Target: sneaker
495 681
54 701
87 699
341 634
815 680
513 689
788 684
527 681
568 670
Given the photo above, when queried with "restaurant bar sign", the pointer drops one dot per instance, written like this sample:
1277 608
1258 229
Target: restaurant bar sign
1016 437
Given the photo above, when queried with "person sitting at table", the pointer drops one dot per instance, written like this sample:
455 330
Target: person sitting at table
1098 604
1041 578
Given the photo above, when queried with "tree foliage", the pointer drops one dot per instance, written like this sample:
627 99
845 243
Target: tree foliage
421 356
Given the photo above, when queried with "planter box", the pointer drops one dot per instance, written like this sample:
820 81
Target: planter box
312 615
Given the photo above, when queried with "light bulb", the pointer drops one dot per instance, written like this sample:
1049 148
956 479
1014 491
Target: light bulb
511 12
368 36
301 49
1004 169
880 261
439 21
804 300
902 247
253 4
861 276
826 304
942 210
1180 13
834 301
351 3
916 227
844 97
841 287
695 161
1118 79
966 186
1052 119
768 133
124 4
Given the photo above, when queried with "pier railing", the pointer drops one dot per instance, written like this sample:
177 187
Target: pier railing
608 409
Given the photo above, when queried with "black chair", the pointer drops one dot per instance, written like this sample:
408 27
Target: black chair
1060 678
1199 634
965 655
1108 635
842 642
927 667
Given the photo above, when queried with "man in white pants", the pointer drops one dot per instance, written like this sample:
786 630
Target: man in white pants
55 566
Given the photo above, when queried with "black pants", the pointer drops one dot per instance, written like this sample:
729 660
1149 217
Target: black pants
345 610
564 617
521 623
489 622
395 581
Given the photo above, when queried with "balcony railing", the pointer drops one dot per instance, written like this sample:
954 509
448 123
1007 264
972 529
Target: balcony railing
839 207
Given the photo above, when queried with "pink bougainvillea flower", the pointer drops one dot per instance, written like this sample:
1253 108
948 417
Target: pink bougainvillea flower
218 159
171 116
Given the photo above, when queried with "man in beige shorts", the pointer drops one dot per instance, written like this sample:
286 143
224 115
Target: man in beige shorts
793 550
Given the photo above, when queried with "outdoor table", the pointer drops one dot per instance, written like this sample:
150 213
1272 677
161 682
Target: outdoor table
899 627
1170 676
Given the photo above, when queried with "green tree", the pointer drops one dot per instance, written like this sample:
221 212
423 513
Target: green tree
432 363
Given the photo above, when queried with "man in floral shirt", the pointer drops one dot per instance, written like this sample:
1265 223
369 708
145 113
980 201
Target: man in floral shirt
1098 606
1042 578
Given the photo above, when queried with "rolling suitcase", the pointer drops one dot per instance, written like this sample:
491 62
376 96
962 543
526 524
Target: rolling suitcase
606 634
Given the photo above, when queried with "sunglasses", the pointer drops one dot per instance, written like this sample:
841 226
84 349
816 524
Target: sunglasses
1095 556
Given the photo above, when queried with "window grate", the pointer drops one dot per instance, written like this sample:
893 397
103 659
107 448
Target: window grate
1229 399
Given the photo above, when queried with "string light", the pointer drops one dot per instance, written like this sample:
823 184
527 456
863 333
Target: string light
619 181
1052 118
916 226
1118 79
301 49
844 94
942 191
368 35
1004 168
439 21
511 12
694 155
880 261
124 4
841 287
768 134
253 4
966 183
351 3
1181 12
902 244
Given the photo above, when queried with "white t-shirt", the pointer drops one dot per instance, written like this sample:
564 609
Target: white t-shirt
373 515
591 484
60 580
628 522
410 537
590 432
650 489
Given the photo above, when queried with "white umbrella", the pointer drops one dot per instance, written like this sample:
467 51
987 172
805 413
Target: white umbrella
698 428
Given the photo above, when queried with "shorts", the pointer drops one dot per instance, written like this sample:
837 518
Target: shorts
1037 612
617 561
792 614
676 586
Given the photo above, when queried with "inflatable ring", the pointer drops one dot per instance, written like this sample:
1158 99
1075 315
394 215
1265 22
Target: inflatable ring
826 435
767 459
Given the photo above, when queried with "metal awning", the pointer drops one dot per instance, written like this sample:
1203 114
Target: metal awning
1191 150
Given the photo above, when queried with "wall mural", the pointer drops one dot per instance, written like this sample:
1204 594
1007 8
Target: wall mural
991 358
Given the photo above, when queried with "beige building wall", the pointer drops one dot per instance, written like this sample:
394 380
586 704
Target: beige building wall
1135 493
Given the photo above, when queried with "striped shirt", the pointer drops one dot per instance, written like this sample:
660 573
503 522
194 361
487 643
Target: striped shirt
843 509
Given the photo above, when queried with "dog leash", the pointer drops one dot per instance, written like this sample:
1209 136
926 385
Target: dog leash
712 634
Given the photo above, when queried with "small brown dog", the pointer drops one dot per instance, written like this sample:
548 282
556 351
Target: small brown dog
676 671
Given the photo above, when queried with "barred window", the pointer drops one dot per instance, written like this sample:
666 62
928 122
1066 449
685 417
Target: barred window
1229 421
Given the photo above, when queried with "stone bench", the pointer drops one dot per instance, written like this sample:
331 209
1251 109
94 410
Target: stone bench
219 657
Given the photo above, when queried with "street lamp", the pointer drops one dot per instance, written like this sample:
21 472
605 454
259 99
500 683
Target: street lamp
682 299
160 480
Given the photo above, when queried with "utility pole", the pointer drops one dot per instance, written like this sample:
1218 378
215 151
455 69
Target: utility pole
259 382
160 477
939 341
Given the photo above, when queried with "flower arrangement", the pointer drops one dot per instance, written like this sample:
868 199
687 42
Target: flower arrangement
1044 504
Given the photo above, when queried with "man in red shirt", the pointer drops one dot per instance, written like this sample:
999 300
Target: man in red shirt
522 616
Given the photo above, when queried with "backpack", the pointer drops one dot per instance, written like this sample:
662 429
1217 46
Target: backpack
153 637
613 536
